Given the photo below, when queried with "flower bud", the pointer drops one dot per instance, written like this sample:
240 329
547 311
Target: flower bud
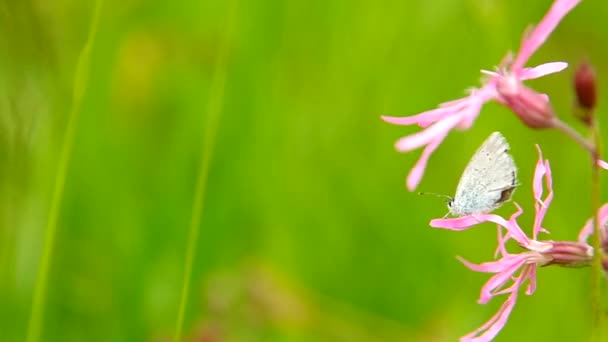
570 254
585 85
533 108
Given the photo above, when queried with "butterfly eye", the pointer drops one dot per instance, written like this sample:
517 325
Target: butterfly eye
450 202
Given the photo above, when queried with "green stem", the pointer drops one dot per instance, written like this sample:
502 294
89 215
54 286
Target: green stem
211 120
80 83
597 271
574 135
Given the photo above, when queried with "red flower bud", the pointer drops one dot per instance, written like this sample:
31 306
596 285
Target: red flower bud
585 85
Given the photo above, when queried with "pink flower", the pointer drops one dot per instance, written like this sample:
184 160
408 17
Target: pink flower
533 108
519 268
588 228
512 271
504 86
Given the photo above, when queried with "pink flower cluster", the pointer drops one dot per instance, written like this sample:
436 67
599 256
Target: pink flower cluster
515 270
512 271
504 86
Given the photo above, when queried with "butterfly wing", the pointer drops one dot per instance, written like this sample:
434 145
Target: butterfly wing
488 180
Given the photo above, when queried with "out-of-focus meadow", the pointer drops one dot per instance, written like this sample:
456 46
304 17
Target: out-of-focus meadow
307 232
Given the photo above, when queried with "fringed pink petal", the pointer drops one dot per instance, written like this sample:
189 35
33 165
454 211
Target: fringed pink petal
491 266
543 170
493 326
478 98
470 114
415 175
518 235
465 222
457 108
539 173
427 116
490 73
500 248
542 207
531 43
530 270
586 232
548 183
513 229
587 229
513 287
425 137
500 279
604 213
541 70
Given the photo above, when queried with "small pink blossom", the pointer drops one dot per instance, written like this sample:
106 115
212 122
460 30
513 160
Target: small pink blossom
533 108
512 271
588 228
504 87
519 268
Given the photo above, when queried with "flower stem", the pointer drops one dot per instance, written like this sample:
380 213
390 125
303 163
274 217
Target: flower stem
579 139
34 329
211 120
597 332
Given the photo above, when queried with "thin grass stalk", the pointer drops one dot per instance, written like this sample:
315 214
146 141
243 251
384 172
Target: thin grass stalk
210 122
81 76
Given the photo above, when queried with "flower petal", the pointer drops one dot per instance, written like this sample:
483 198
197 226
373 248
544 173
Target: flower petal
415 175
531 43
531 275
513 229
490 73
492 266
513 232
493 326
430 115
587 229
500 248
500 279
471 113
541 70
543 170
542 207
539 173
586 232
426 136
462 223
602 164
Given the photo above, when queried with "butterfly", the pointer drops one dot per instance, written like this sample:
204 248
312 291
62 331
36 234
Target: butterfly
488 181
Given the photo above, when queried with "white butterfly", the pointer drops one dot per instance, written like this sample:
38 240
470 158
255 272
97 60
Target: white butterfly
488 181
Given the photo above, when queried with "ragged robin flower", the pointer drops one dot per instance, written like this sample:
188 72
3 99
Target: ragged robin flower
504 86
512 271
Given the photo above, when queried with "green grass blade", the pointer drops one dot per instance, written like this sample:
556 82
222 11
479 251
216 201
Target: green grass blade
80 84
211 120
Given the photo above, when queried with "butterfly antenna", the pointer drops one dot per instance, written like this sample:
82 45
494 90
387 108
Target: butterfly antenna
435 194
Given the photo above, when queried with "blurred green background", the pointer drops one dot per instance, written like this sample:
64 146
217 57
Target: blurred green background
308 232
